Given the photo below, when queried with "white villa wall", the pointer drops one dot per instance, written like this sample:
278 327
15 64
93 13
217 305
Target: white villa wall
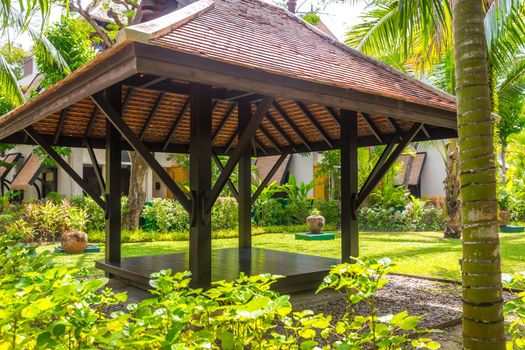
302 167
433 174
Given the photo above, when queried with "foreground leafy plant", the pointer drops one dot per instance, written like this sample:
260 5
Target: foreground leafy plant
514 311
358 283
48 307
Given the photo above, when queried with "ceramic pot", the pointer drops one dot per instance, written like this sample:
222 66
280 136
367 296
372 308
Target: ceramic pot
74 242
504 217
315 223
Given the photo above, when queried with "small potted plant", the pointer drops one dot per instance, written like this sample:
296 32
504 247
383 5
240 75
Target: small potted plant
503 203
315 222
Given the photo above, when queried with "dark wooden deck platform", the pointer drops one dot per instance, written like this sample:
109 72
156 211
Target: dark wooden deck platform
302 271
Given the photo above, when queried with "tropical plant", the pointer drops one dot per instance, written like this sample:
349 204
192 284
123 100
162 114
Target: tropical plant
48 307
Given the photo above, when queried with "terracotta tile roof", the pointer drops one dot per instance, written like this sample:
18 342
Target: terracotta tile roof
27 175
411 168
244 34
259 35
265 164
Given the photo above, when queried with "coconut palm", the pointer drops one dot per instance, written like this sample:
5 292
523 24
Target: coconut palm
484 36
483 323
13 24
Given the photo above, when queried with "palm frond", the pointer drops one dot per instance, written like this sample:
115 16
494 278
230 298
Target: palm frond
8 83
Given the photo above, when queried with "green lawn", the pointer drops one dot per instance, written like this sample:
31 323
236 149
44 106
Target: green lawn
417 253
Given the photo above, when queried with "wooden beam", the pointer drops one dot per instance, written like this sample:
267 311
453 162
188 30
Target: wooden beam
372 126
315 123
257 144
229 113
60 126
264 183
244 142
394 124
200 184
383 157
96 166
176 122
349 186
245 180
39 140
292 124
374 180
333 113
116 119
230 184
90 123
283 133
269 136
154 110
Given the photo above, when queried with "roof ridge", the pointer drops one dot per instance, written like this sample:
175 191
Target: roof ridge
144 32
361 55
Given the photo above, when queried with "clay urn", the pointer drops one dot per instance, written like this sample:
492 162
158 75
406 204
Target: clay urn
74 242
315 222
504 217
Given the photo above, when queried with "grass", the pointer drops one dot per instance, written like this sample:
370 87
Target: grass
416 253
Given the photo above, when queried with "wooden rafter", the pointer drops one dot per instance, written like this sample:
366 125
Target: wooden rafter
91 122
315 123
269 136
227 116
60 126
294 126
176 122
333 114
372 126
283 133
154 110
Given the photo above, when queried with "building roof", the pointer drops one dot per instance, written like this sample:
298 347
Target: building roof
245 49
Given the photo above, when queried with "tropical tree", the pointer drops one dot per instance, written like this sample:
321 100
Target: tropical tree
483 323
423 26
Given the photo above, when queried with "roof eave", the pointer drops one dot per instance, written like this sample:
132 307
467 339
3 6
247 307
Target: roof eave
107 69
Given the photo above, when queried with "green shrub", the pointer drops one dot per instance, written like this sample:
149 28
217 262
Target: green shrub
46 307
427 218
46 221
224 214
94 212
331 210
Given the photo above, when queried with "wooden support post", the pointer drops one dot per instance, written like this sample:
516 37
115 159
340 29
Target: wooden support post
200 183
113 181
245 190
349 186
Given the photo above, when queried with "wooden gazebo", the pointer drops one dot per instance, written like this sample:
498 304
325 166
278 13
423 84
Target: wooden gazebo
229 77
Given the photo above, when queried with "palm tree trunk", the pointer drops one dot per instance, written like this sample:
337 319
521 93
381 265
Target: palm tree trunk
452 191
483 326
